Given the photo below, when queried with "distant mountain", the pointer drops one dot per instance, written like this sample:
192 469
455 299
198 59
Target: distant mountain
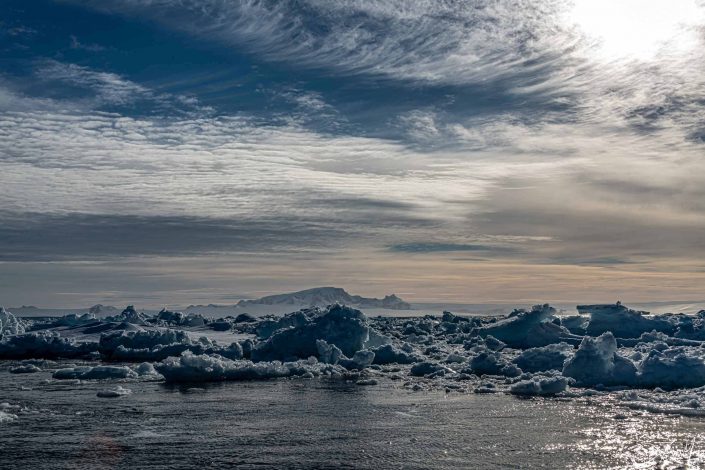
322 296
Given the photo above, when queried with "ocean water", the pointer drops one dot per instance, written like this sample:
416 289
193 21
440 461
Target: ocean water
327 424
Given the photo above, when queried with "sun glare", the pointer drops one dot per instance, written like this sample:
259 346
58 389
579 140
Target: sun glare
638 29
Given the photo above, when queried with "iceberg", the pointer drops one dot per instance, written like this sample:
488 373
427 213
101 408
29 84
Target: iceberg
46 345
10 324
148 345
70 320
540 385
331 354
191 367
390 354
596 362
116 392
623 322
528 329
155 345
492 363
551 357
95 373
166 317
25 369
344 327
673 368
6 417
129 315
267 328
425 368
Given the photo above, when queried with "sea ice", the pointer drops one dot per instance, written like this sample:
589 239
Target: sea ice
493 363
424 368
114 392
389 354
623 322
43 345
527 329
10 324
6 417
157 345
540 385
191 367
331 354
129 315
25 369
678 367
344 327
544 358
596 362
95 373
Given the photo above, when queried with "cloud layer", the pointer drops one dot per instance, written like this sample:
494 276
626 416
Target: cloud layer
453 137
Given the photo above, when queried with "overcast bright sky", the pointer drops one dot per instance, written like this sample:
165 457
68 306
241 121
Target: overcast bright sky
195 151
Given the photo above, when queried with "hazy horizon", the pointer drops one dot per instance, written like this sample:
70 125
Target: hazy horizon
661 306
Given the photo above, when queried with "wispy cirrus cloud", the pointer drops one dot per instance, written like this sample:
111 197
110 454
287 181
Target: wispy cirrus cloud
90 89
418 142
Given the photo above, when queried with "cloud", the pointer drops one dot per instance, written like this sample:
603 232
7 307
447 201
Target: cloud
110 88
429 141
76 44
446 247
450 42
71 84
77 236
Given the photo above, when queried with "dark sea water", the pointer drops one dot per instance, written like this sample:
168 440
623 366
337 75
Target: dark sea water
327 424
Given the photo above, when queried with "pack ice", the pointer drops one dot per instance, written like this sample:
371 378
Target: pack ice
537 351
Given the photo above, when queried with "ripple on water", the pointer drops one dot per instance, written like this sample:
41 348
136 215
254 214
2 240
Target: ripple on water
285 423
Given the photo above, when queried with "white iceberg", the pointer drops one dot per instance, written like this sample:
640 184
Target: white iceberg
10 324
95 373
116 392
551 357
540 385
528 329
47 345
6 417
191 367
623 322
493 363
342 326
672 368
136 346
390 354
597 362
25 369
331 354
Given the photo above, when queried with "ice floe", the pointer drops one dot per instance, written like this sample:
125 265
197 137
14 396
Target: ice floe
540 385
95 373
45 344
191 367
10 324
116 392
530 352
296 335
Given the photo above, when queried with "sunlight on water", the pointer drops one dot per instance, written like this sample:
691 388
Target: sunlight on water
331 424
638 440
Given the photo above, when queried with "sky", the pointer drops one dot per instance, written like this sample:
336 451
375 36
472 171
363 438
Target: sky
203 151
